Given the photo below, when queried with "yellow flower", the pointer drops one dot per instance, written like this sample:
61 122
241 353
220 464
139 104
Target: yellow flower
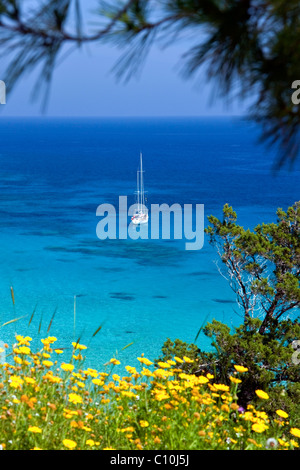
46 342
128 429
146 372
202 380
131 370
234 406
67 367
145 361
17 359
115 361
168 406
23 340
164 365
295 432
162 373
187 359
90 442
248 416
78 357
128 394
105 400
262 394
15 381
92 372
240 368
235 380
58 351
177 359
161 395
86 428
68 414
52 378
222 387
34 429
282 413
98 382
283 443
144 424
24 350
225 408
51 339
78 346
75 398
29 380
259 427
80 384
172 363
47 363
69 443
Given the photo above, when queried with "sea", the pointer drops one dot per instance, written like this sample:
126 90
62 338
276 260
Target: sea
123 297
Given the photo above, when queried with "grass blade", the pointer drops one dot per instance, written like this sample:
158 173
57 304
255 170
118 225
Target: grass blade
11 321
52 318
40 325
127 346
74 326
200 329
12 295
32 315
97 331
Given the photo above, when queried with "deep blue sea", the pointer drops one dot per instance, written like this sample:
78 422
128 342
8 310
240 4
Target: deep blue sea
54 173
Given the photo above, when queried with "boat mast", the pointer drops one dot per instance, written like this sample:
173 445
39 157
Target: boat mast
142 183
138 190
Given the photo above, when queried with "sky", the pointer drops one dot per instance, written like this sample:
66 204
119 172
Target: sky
83 84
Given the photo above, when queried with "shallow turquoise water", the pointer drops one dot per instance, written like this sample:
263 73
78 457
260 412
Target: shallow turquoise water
55 173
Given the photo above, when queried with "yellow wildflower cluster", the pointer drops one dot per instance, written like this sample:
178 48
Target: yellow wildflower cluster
49 405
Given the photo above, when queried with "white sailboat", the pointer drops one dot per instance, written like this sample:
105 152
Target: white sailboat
141 214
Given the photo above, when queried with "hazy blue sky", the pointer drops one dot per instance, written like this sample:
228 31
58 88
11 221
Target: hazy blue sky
83 85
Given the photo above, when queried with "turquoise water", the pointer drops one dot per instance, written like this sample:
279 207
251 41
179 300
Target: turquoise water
55 173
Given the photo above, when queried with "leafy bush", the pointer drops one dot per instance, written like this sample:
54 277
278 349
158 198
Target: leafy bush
268 358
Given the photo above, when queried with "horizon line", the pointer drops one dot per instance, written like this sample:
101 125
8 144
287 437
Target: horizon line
42 116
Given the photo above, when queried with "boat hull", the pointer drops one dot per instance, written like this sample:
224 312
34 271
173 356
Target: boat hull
138 220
